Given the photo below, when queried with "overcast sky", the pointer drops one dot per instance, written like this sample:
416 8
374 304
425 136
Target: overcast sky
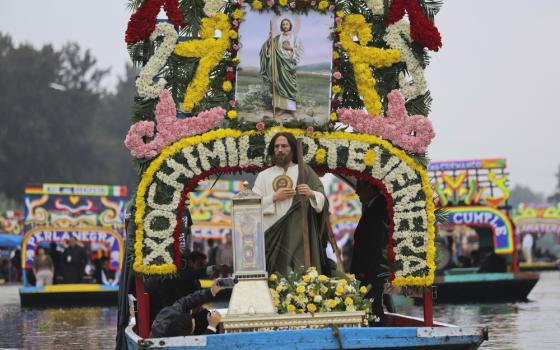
492 82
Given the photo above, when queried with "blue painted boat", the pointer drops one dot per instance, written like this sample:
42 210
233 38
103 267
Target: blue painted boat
399 332
485 287
69 295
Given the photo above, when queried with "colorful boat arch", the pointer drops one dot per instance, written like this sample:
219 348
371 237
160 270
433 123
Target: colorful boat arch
175 172
480 216
537 219
40 234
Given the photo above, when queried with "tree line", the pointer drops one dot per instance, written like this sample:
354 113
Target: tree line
57 122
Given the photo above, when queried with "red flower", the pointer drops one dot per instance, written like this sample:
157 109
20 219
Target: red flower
143 22
422 30
334 104
230 76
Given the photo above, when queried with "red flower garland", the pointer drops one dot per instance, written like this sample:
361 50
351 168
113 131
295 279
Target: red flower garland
422 30
143 22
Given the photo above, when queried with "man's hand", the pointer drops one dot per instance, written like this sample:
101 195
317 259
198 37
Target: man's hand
306 191
214 318
283 193
215 289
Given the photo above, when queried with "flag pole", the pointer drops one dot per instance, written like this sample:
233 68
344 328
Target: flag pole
273 69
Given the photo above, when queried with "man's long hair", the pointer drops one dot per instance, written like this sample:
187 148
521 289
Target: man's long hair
291 141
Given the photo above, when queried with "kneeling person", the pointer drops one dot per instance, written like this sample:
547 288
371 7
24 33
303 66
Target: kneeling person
176 320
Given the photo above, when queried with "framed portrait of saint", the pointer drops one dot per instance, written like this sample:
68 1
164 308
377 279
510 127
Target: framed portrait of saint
284 73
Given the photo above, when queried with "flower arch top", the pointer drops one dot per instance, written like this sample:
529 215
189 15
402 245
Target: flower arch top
165 184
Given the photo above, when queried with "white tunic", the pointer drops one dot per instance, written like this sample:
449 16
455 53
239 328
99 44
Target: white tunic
274 211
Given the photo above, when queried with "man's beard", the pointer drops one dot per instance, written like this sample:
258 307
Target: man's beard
281 160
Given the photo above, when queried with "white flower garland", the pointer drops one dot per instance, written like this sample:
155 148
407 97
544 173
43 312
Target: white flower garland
394 38
211 7
204 154
145 84
376 6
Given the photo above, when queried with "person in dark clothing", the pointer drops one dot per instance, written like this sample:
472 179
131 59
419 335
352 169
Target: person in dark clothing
370 239
493 263
176 320
165 292
74 260
212 249
56 257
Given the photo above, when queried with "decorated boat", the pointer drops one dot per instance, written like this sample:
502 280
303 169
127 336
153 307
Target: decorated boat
542 223
219 80
54 213
477 245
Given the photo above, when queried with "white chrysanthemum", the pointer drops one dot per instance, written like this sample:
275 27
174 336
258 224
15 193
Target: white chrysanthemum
376 6
211 7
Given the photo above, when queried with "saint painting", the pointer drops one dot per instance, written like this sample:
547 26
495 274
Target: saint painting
279 57
285 67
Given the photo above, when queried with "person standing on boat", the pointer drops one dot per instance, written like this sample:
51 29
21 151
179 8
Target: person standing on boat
527 245
370 239
74 260
282 217
43 268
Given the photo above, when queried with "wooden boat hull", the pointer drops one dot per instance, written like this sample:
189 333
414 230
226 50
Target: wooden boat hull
408 336
485 287
539 266
69 295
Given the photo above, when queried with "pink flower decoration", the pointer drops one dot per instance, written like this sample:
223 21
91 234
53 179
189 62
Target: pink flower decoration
229 69
240 2
235 23
292 4
338 20
233 103
309 130
169 128
337 44
337 75
235 47
260 126
331 7
313 2
413 133
270 3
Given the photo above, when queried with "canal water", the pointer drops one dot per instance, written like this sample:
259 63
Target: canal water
530 325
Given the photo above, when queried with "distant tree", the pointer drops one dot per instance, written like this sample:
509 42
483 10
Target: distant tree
555 197
520 194
57 123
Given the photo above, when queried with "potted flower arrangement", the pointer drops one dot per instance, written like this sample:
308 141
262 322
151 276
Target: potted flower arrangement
311 292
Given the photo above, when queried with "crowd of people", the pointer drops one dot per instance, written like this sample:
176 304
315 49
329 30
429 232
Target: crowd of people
74 263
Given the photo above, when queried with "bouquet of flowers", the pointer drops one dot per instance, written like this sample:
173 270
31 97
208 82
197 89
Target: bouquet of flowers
311 292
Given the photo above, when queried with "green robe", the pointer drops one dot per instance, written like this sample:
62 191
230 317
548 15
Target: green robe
284 239
285 69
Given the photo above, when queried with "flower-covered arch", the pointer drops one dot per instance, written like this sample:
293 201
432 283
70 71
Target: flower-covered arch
176 171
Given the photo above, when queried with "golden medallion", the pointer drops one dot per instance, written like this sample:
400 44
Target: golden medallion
282 181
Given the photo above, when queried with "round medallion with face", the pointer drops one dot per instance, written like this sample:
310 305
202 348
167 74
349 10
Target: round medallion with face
282 181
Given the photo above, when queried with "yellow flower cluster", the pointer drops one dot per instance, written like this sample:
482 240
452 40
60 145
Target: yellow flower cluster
323 5
369 157
210 136
362 57
334 117
336 89
237 14
283 2
227 86
320 156
232 114
257 5
210 51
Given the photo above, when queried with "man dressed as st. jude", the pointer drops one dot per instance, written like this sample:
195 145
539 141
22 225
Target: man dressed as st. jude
282 213
279 57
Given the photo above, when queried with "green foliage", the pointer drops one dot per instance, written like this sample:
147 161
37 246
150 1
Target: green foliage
58 123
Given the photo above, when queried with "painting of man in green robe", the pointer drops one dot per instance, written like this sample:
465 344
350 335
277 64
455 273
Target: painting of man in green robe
279 57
